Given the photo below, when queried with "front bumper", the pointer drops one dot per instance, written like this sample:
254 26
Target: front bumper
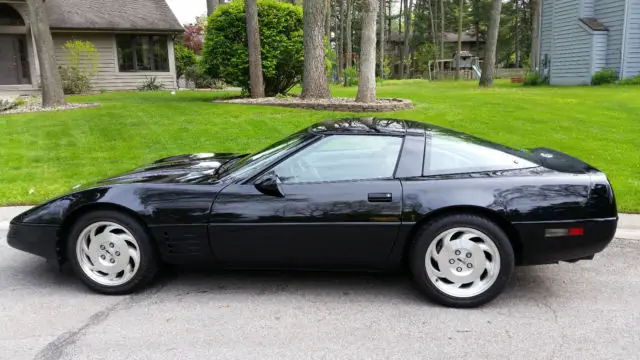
539 249
38 240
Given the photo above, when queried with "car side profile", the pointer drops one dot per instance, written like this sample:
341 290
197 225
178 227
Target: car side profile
368 194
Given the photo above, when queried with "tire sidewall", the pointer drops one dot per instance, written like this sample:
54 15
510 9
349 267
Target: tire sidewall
430 232
148 256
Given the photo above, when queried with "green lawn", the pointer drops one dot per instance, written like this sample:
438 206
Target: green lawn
44 154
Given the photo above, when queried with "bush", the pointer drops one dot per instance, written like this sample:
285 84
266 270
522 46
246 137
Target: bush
185 58
350 76
225 53
80 68
151 84
631 81
534 79
604 76
200 79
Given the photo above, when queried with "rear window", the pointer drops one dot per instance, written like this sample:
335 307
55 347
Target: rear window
453 153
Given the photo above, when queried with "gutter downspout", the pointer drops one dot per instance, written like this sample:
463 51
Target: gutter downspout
624 38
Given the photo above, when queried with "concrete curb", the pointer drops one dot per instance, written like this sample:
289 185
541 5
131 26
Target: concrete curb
628 225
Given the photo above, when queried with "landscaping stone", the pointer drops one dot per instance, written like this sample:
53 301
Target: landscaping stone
34 104
333 104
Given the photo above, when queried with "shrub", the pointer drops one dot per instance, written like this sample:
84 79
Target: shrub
225 53
604 76
200 79
80 68
534 79
185 58
631 81
151 84
350 76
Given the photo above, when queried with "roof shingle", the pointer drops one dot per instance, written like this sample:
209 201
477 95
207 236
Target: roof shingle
131 15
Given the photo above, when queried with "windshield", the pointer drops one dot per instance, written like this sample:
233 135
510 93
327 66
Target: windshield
263 157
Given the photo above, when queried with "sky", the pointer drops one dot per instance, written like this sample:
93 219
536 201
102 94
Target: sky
187 10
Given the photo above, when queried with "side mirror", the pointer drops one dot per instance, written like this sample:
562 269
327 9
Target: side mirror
269 184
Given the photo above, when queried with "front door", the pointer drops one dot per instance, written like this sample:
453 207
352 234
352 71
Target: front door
14 66
336 204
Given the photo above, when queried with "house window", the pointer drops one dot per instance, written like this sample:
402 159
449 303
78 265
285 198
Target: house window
9 16
142 53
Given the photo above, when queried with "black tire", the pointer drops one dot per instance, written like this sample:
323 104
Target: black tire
430 232
149 259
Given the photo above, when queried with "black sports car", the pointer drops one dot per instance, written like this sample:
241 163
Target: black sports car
361 194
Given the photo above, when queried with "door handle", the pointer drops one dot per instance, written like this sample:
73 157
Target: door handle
380 197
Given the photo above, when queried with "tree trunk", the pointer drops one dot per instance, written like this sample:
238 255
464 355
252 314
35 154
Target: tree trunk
341 46
461 11
327 20
433 34
348 34
476 23
256 81
211 6
517 35
52 93
382 40
489 64
314 79
367 83
408 5
534 58
442 31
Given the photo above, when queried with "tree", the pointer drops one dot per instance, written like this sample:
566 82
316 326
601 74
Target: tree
52 93
348 34
367 83
314 80
193 38
489 64
256 83
211 6
534 57
340 45
382 33
460 14
407 33
185 58
225 55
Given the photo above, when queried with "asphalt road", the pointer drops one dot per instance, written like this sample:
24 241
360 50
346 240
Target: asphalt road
588 310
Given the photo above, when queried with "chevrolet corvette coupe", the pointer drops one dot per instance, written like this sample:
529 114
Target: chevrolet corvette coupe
362 194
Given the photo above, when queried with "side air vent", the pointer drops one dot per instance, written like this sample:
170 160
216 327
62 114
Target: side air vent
182 243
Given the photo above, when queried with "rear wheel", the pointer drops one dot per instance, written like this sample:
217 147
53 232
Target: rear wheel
111 252
462 260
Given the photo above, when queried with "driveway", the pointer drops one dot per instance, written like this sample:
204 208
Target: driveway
566 311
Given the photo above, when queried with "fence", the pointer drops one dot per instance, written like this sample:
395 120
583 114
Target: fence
468 74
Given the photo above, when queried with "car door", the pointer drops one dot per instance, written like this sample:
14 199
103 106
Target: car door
334 203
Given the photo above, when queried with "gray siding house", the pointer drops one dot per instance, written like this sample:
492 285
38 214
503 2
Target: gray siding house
133 38
581 37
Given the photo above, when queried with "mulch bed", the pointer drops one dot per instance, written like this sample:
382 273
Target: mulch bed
333 104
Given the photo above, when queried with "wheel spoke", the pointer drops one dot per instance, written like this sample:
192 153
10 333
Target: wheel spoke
462 261
99 262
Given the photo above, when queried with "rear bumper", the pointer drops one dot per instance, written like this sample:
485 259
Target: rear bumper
539 249
35 239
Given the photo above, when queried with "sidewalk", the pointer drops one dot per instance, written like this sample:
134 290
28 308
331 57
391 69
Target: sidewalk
628 226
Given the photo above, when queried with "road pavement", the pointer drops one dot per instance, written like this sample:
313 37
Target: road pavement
587 310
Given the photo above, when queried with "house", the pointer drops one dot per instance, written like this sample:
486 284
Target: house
581 37
133 39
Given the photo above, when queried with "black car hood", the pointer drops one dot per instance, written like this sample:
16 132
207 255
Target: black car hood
185 169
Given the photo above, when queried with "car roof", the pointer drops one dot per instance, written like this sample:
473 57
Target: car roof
369 125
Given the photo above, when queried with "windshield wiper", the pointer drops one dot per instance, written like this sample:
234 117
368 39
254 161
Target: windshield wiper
226 165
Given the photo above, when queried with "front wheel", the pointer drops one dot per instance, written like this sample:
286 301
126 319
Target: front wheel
111 252
462 260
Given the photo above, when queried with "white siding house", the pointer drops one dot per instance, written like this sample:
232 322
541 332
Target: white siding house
133 39
581 37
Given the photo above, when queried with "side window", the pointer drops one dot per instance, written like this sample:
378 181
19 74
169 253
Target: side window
342 158
454 155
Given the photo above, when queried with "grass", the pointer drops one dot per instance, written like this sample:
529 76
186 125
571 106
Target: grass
44 154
